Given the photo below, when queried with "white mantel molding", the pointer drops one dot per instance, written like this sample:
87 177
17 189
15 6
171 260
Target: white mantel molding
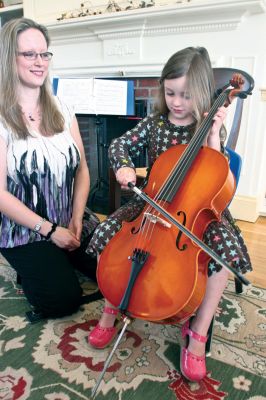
192 17
110 70
263 94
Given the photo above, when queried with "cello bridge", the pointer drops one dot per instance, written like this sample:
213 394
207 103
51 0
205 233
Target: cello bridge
155 218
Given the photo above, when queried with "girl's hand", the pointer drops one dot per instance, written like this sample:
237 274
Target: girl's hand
65 239
218 120
125 175
213 139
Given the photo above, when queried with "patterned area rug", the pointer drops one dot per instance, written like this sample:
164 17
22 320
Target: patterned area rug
52 359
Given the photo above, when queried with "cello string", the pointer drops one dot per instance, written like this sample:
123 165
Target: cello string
146 230
226 92
179 169
182 166
146 227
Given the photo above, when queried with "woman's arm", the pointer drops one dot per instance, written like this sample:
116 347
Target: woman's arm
9 204
15 210
81 184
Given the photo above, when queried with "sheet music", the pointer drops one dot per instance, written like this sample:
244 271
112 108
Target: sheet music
94 96
110 97
79 93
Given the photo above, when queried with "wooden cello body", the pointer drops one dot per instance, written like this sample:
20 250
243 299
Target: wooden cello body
171 284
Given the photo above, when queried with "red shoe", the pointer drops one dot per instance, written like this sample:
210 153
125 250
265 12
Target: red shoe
192 367
101 337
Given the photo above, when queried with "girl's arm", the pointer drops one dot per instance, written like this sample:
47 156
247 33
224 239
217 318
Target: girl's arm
123 148
128 145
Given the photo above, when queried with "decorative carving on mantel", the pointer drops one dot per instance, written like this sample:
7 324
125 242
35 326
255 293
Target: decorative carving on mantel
120 50
168 30
198 16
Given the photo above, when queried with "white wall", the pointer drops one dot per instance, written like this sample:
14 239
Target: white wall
139 42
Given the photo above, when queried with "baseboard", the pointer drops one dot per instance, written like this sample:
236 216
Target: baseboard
245 208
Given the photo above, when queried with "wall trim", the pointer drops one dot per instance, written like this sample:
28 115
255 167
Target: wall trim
245 208
263 94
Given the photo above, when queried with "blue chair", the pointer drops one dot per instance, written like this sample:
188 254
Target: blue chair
235 166
221 77
235 163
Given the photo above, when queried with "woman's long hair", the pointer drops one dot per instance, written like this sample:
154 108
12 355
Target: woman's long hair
194 62
52 121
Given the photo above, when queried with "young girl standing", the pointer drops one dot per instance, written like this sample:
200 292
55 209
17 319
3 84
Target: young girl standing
185 96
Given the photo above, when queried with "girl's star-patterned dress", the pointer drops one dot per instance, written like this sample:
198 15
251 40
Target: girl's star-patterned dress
156 133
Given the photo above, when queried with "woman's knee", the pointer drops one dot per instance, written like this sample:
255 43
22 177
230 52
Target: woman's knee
66 302
56 301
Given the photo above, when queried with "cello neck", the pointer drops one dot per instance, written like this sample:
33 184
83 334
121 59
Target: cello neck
180 170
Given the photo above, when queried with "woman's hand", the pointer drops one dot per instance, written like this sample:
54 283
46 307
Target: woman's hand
125 175
75 226
65 239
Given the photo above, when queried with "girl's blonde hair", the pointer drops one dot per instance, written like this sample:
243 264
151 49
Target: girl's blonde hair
194 62
52 121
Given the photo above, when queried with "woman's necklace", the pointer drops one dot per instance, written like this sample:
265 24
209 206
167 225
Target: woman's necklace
32 116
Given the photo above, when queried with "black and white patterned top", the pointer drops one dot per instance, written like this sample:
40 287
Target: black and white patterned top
40 173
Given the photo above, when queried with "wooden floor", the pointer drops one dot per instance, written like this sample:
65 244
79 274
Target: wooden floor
255 238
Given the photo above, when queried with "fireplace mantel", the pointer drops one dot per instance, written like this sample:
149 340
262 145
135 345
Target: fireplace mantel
197 16
134 43
137 43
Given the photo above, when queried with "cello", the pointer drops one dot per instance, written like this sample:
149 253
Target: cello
169 270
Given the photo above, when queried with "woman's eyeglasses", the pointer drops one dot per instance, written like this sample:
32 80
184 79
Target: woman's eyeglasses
32 55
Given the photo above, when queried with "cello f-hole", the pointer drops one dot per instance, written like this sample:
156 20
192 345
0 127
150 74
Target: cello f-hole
178 238
136 230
